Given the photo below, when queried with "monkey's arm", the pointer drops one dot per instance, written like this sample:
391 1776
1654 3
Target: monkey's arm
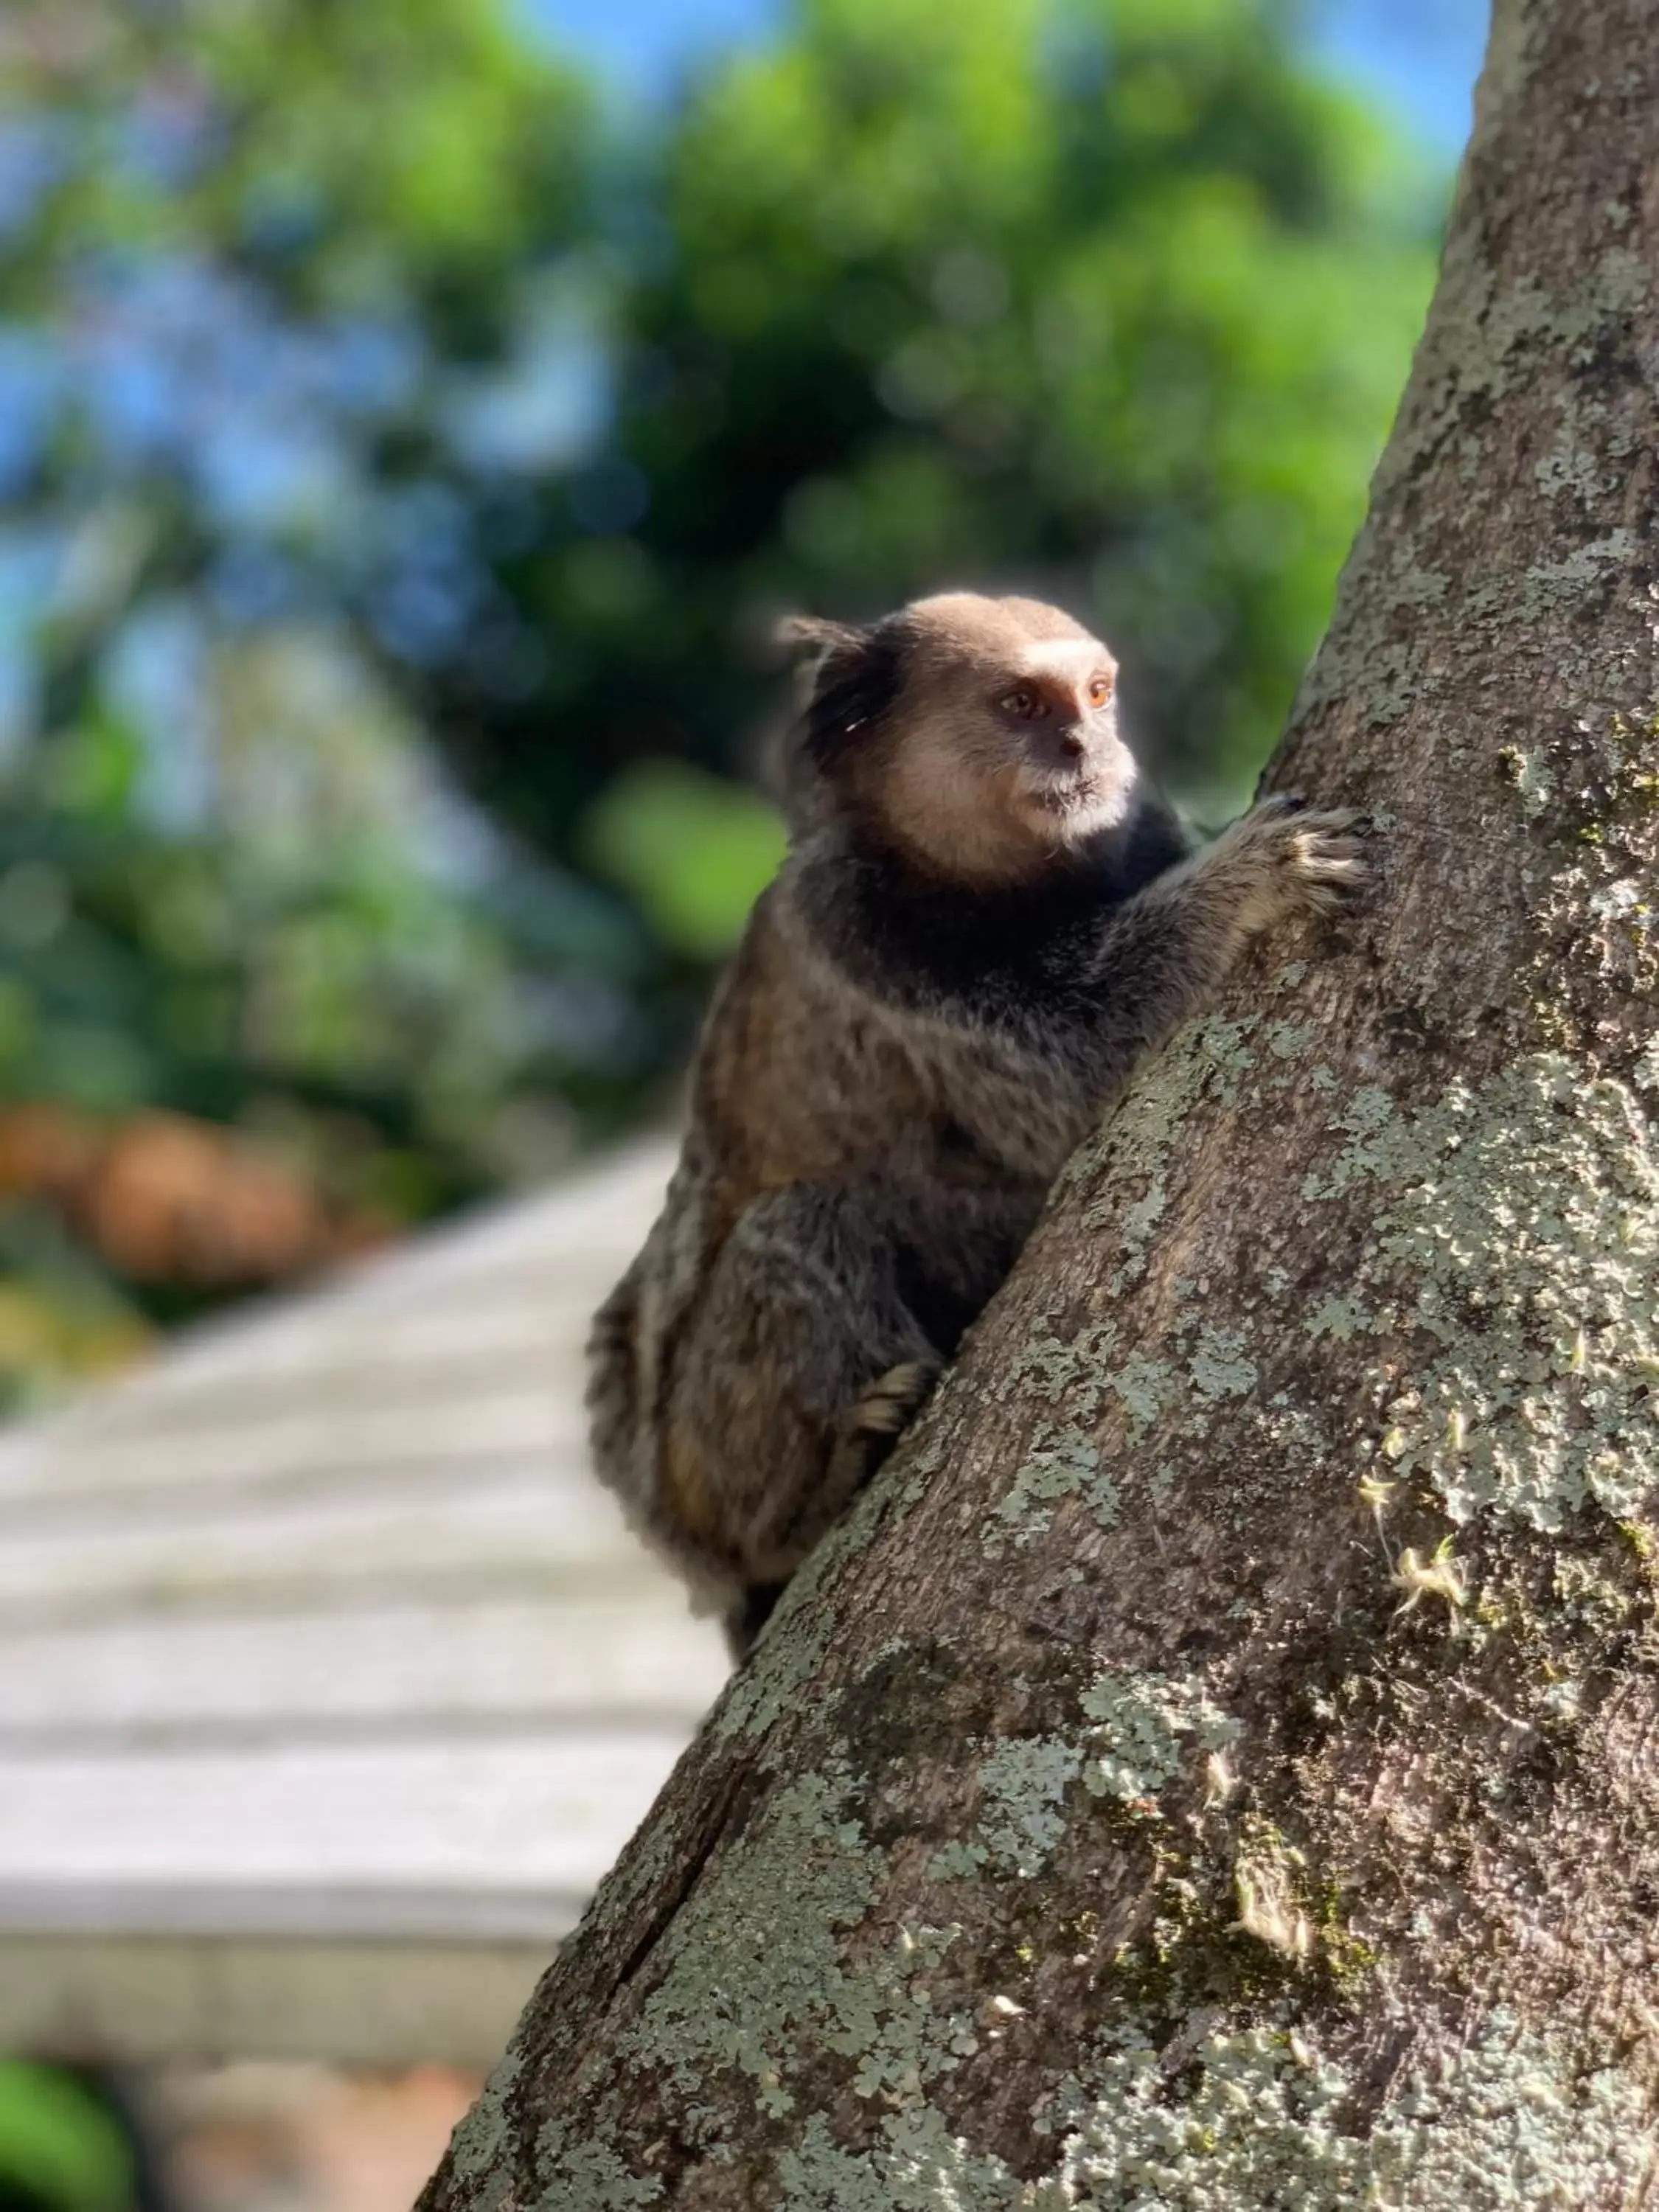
1165 951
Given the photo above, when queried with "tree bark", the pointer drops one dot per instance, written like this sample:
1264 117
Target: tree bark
1214 1767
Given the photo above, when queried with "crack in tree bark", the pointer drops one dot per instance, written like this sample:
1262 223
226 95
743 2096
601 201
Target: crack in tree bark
725 1813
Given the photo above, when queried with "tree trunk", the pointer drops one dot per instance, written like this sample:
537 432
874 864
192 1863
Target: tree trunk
1214 1767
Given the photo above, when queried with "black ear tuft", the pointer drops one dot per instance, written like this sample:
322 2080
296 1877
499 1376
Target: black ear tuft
850 676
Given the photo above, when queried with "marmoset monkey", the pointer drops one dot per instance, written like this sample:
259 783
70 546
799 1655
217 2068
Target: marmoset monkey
985 919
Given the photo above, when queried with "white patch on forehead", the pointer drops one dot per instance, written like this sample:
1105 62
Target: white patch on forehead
1064 656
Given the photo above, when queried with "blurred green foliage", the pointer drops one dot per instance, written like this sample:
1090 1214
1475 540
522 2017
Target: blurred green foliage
61 2150
1110 298
693 850
402 460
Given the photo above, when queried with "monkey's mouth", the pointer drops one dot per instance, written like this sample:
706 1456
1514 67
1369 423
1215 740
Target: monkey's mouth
1064 806
1094 790
1060 793
1065 793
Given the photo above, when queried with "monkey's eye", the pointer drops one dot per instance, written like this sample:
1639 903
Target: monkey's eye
1101 689
1024 703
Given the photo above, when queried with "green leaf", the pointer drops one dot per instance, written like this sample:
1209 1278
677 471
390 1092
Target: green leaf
58 2143
695 851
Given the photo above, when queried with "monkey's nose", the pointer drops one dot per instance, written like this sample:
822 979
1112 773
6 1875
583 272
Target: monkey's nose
1062 744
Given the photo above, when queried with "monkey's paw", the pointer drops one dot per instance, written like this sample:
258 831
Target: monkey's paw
874 1424
1284 859
890 1403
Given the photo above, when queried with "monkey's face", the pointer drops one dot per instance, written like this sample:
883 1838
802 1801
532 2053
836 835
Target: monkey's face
1002 751
981 735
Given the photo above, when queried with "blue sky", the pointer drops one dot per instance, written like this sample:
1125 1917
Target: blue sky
1423 55
1420 55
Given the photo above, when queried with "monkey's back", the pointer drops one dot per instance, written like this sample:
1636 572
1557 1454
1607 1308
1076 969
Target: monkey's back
804 1082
